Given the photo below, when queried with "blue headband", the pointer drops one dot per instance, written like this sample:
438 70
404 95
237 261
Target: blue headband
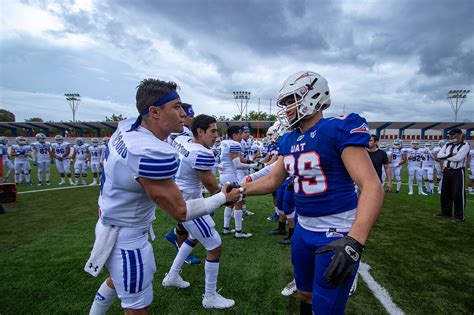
189 112
165 99
245 129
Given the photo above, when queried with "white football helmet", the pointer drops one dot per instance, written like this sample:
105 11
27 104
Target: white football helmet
59 139
105 140
415 144
305 91
383 146
20 140
397 143
441 143
95 142
270 132
79 141
428 145
3 140
40 137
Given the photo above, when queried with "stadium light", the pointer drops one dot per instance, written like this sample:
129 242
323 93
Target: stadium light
242 97
73 99
456 98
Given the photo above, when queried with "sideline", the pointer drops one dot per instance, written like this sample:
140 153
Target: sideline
379 292
51 189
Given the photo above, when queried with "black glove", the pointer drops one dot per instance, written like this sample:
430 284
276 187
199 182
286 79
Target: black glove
347 252
228 190
259 166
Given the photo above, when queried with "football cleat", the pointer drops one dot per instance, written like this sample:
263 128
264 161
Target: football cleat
277 232
422 193
248 212
227 231
289 289
191 260
217 301
242 234
176 282
285 241
410 193
273 217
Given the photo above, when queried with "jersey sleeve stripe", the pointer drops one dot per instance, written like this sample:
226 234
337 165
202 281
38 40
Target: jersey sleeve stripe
157 161
158 168
158 175
198 160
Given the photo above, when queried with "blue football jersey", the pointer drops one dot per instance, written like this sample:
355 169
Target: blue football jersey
322 184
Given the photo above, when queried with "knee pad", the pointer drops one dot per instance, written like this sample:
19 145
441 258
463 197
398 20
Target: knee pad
180 229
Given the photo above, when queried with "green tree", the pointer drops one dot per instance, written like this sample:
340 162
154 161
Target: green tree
115 118
236 117
221 118
6 116
34 119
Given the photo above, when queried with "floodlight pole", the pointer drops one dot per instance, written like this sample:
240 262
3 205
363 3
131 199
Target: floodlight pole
244 97
456 98
73 100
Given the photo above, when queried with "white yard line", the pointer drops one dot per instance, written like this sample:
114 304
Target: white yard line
50 189
379 292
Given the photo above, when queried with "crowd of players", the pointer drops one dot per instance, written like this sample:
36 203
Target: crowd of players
43 154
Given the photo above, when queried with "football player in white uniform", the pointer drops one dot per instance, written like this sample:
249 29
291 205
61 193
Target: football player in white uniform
61 151
415 157
105 142
138 174
248 152
427 168
94 153
7 164
231 161
470 164
42 157
21 152
188 109
80 158
438 163
398 158
195 167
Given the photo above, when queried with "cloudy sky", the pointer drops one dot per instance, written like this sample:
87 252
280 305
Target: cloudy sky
387 60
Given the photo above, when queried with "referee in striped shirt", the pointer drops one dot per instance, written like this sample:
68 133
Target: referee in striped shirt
454 155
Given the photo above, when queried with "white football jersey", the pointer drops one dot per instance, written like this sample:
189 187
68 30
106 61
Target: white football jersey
471 154
428 158
193 157
228 147
4 151
60 148
436 150
186 132
41 151
21 152
396 155
246 146
414 157
131 155
96 153
81 151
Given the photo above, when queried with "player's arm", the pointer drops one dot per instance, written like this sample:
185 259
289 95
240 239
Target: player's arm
208 180
460 155
360 168
269 183
68 150
165 193
240 162
12 152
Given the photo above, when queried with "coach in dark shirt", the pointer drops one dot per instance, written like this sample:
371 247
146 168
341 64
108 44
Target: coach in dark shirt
379 159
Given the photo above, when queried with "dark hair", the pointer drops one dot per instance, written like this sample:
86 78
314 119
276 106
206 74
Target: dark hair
203 122
374 137
232 130
150 91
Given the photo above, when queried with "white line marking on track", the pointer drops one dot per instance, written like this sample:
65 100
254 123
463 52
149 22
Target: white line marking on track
50 189
379 292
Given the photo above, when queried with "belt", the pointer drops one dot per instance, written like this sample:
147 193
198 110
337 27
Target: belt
453 169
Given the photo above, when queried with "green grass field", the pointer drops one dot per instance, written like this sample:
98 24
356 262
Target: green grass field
425 263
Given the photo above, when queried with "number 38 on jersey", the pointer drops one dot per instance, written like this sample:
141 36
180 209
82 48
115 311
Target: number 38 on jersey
309 177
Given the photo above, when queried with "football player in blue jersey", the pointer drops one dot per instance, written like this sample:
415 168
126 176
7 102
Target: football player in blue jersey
139 167
325 156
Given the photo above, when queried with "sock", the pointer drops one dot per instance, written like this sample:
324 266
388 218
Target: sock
420 187
238 219
306 308
40 175
282 226
290 232
27 178
227 217
181 256
399 185
277 211
211 269
47 175
410 183
103 299
244 207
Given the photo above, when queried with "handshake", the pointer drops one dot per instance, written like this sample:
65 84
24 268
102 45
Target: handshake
233 193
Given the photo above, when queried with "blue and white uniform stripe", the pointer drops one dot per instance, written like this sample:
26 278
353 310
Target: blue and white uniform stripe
132 269
158 168
203 227
205 161
235 149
